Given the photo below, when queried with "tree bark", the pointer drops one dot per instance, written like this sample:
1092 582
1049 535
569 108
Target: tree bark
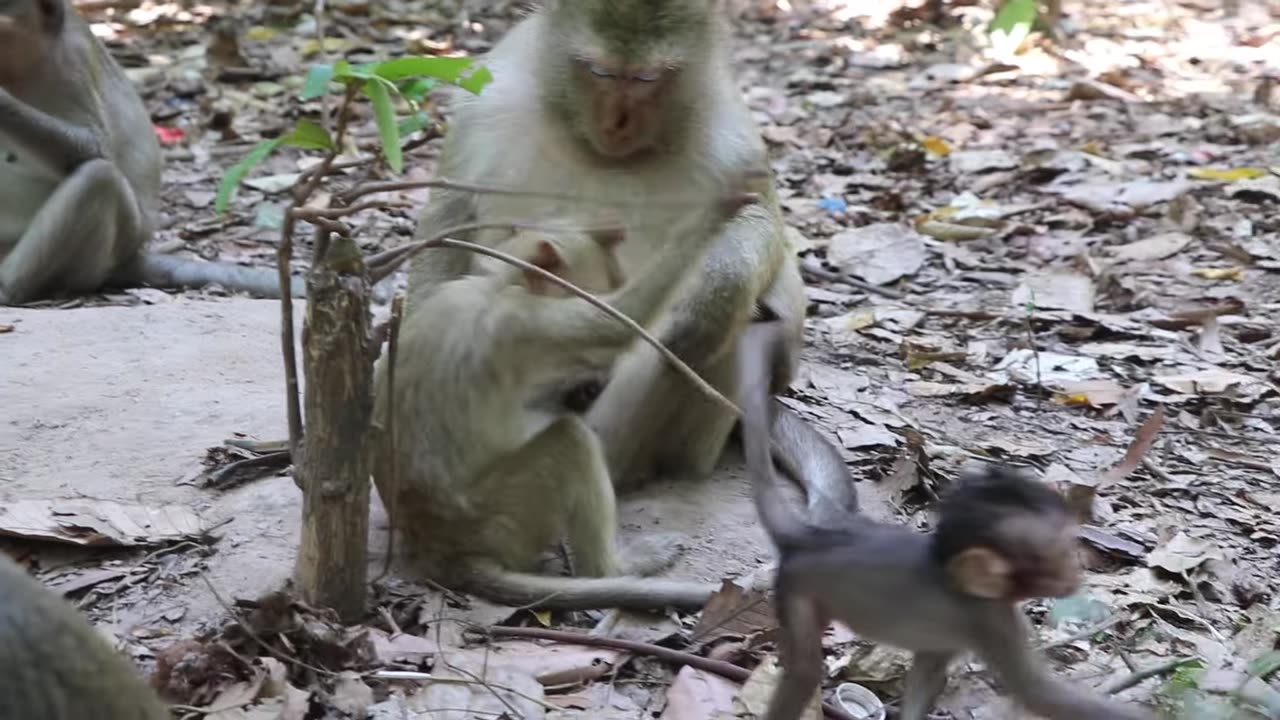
332 562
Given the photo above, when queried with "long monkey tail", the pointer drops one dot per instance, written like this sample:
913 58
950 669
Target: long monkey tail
516 589
759 348
168 271
812 462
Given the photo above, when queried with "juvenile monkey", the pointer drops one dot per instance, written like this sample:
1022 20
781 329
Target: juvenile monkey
55 666
494 462
631 105
1000 538
80 167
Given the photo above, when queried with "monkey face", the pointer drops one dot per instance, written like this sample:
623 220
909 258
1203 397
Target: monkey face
1044 556
625 106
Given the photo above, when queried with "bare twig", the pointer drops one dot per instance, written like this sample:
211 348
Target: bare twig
816 270
284 256
1124 683
447 184
676 657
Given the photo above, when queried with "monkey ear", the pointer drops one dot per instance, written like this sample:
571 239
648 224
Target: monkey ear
981 572
608 239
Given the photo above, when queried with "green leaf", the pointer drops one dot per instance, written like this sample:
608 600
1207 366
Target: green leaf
415 122
237 173
476 81
317 82
385 114
1014 18
308 136
363 71
461 71
416 89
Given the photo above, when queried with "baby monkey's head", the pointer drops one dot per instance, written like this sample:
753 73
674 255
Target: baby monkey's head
1003 535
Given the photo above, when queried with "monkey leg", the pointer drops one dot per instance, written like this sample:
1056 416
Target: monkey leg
925 682
652 421
800 651
85 229
554 485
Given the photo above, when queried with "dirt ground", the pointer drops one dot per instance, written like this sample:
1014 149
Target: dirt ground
1066 258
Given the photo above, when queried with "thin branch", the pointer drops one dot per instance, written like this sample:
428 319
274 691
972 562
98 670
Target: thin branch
284 257
676 657
446 184
1125 683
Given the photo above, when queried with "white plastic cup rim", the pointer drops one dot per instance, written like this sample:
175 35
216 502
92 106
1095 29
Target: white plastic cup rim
859 702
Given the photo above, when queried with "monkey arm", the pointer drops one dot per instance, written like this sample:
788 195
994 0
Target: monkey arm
50 144
1000 639
433 266
737 271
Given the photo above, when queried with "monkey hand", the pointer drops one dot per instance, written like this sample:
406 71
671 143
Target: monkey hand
746 189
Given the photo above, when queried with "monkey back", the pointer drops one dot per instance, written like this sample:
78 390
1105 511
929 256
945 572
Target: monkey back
55 666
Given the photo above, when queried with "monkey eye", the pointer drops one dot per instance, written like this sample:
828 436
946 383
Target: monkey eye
647 75
599 70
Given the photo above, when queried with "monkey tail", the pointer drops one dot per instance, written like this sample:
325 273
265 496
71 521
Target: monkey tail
516 589
812 462
168 271
759 349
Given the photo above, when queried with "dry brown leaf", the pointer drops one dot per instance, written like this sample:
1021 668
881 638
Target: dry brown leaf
1156 247
879 253
1182 553
82 521
1142 442
699 695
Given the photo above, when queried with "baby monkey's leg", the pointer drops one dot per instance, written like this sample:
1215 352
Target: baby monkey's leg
925 682
800 651
81 233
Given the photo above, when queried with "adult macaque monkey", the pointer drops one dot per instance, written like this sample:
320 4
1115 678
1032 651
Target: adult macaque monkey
493 462
629 105
80 167
1000 538
55 666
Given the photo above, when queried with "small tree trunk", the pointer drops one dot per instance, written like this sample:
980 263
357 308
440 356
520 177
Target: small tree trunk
334 469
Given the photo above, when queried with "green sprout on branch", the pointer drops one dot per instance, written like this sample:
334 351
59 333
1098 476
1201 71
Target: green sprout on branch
410 78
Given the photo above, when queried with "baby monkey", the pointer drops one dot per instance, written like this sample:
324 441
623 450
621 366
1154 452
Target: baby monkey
1000 538
494 461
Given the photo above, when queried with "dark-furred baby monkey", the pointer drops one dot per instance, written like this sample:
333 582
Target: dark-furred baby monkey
493 460
80 168
1000 538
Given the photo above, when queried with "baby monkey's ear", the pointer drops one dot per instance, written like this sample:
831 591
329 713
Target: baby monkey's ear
981 572
545 256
